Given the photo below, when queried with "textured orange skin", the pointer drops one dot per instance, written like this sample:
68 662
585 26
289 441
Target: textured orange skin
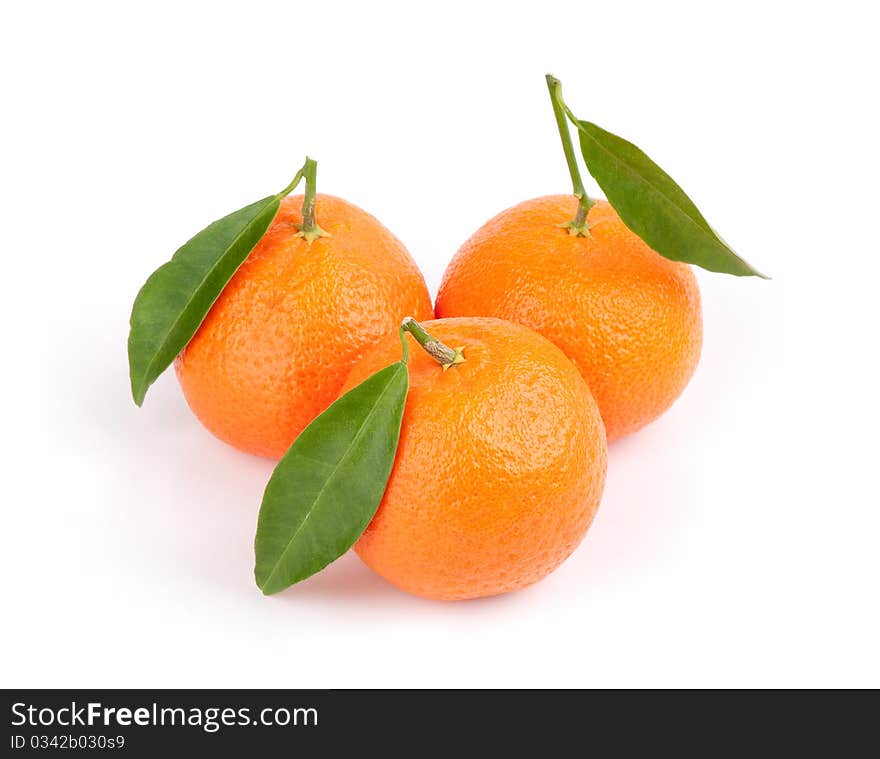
281 338
500 466
628 318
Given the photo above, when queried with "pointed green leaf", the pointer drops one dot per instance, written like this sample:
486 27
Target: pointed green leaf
176 298
326 489
653 206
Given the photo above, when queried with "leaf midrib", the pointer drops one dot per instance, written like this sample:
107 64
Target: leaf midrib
320 495
192 297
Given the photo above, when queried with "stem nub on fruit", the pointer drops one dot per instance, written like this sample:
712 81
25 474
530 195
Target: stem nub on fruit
440 352
577 226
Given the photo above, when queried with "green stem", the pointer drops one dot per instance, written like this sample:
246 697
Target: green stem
309 228
578 226
440 352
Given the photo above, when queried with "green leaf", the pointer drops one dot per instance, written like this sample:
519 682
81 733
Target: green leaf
653 206
176 298
326 489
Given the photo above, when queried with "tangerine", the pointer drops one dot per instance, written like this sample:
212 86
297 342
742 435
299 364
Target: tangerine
628 318
499 468
277 344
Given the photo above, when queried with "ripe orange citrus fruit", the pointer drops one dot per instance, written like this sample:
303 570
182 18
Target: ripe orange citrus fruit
278 343
500 465
628 318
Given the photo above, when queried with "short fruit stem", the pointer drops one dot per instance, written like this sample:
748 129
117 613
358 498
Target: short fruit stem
309 228
577 226
440 352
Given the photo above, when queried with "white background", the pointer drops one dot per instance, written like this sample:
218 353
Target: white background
737 540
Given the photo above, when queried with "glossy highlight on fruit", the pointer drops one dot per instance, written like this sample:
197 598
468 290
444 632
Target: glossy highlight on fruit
499 468
628 318
277 344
